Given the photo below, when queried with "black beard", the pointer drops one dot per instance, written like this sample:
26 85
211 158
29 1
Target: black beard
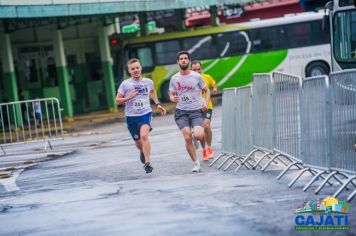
184 67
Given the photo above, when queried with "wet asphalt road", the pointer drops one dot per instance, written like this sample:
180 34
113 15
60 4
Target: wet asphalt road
94 184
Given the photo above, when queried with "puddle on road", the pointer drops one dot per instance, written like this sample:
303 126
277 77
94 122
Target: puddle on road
8 179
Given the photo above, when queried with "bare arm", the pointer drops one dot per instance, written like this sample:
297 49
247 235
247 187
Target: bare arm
154 97
214 86
207 97
215 89
120 99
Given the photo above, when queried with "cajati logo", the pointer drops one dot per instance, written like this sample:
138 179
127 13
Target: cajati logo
327 214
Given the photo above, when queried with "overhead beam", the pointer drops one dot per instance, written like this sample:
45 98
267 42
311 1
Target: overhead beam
100 7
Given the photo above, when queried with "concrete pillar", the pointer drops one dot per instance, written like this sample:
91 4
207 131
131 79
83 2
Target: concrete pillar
8 67
62 72
143 22
10 84
180 18
106 62
213 16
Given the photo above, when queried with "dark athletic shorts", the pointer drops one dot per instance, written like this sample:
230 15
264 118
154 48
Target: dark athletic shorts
188 118
134 124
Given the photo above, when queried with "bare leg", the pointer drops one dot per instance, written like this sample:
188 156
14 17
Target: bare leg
187 134
146 146
208 133
138 144
199 135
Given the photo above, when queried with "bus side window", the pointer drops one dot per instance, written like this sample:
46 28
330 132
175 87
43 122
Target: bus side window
306 34
231 44
166 51
353 35
143 53
145 56
268 39
200 47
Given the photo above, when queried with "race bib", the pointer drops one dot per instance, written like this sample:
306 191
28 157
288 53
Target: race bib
185 99
140 104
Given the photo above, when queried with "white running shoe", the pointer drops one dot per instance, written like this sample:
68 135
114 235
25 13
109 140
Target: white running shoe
196 167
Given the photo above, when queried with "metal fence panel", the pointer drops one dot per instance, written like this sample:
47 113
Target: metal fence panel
243 120
343 91
262 111
30 121
315 117
286 93
228 128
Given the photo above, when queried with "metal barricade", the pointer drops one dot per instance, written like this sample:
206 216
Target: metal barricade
315 115
343 87
243 127
228 135
286 91
262 106
243 121
310 123
343 143
263 136
315 120
30 121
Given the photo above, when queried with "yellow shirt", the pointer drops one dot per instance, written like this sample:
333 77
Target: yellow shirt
210 83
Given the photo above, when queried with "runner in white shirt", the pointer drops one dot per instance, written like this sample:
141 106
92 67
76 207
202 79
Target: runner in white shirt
185 89
135 93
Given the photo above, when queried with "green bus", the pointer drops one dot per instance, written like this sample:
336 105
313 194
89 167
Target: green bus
231 53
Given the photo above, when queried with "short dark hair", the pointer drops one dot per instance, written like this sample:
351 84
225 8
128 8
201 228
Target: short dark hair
182 53
133 60
195 62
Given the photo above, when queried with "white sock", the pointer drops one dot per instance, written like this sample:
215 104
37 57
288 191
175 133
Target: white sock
197 162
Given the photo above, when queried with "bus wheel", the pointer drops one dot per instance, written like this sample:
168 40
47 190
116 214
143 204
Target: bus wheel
165 92
317 68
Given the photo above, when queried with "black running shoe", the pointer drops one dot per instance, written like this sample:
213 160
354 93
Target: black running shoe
142 158
148 168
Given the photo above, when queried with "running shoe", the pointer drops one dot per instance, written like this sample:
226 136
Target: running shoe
148 168
210 153
196 167
205 155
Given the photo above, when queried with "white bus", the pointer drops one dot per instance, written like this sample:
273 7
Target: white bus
343 28
294 44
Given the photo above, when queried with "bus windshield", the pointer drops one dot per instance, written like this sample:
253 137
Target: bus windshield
345 36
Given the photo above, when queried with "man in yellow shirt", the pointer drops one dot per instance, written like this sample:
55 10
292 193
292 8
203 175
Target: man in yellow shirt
208 152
